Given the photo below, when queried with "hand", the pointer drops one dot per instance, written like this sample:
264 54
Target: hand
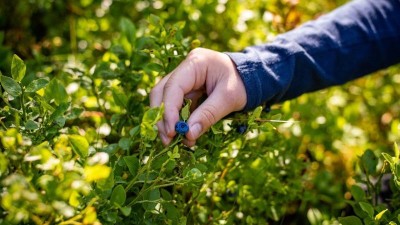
203 72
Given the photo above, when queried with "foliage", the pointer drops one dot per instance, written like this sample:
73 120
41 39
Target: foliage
79 143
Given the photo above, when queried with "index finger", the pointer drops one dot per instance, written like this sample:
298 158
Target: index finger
188 76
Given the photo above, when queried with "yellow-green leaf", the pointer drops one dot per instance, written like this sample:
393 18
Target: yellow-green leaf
18 68
379 215
96 172
185 112
79 144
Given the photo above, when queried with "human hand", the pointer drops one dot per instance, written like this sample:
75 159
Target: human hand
203 72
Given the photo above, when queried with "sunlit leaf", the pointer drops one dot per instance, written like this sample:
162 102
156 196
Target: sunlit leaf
185 112
79 144
18 68
380 214
56 91
128 29
36 85
96 172
3 163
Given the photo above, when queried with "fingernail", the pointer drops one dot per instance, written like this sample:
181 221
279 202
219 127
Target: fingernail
196 130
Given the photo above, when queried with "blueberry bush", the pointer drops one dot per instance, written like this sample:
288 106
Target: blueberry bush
79 145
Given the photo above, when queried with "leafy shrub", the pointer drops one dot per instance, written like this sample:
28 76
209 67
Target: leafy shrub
79 143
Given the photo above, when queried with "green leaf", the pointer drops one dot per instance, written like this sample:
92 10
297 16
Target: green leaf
195 175
126 211
134 131
368 208
267 126
350 220
358 193
148 130
18 68
396 152
276 116
56 91
79 144
155 67
124 143
185 112
36 85
175 154
388 158
106 184
369 161
154 20
255 115
128 29
10 86
172 211
3 164
59 112
118 195
132 162
153 115
152 196
120 98
31 125
166 195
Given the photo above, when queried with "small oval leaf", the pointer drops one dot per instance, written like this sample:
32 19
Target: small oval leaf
10 86
118 195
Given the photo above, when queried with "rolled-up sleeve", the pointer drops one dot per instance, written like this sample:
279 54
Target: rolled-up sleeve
354 40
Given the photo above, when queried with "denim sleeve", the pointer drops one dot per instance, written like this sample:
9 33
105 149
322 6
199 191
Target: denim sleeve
351 41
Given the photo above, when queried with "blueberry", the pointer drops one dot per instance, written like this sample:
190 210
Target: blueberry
241 129
181 127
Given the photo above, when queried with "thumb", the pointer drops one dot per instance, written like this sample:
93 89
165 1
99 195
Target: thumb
214 108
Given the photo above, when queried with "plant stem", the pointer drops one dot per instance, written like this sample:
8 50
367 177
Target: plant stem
22 102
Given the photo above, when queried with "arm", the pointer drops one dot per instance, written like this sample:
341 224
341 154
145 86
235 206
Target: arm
354 40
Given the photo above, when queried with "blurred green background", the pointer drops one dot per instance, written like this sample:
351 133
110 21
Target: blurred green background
304 169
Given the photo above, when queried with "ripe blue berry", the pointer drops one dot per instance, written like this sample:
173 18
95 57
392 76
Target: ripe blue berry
181 127
241 129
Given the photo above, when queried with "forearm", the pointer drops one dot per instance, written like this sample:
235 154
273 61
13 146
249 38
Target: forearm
356 39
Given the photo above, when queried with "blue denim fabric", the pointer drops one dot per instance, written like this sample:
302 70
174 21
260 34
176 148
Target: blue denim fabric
354 40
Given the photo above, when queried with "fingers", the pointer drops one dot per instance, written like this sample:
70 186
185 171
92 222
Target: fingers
203 71
186 79
213 109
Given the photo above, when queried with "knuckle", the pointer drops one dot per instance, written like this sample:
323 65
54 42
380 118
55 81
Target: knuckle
208 115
